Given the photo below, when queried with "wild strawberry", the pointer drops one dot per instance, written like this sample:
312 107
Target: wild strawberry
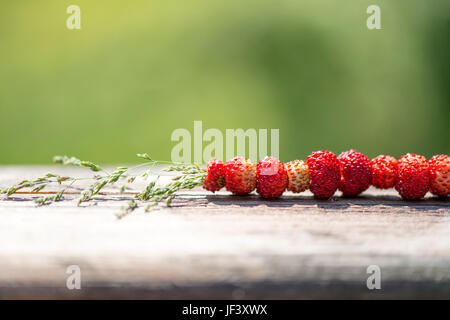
324 173
413 179
355 173
240 176
271 178
298 176
215 178
384 172
440 175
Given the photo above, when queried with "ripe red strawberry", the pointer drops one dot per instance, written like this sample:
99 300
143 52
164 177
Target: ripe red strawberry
240 176
298 175
324 173
355 173
413 179
271 178
384 172
440 175
215 178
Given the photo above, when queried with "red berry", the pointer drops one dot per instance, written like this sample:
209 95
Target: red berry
298 175
413 179
324 173
215 178
355 173
271 178
240 176
384 172
440 175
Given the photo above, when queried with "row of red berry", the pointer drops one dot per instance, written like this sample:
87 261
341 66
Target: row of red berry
323 173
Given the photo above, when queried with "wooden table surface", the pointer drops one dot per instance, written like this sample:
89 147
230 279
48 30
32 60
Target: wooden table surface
221 246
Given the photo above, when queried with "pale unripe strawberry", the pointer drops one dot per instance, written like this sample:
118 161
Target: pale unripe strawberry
298 175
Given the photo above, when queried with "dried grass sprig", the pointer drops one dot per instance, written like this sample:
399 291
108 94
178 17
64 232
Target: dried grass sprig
185 177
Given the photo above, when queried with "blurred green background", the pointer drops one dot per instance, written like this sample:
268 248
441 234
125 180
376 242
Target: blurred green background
137 70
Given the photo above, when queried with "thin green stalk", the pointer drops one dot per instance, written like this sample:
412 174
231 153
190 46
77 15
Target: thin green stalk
126 210
185 176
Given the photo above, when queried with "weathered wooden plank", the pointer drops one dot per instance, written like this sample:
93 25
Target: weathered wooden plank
222 246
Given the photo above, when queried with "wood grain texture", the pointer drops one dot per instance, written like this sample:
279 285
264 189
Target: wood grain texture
222 246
